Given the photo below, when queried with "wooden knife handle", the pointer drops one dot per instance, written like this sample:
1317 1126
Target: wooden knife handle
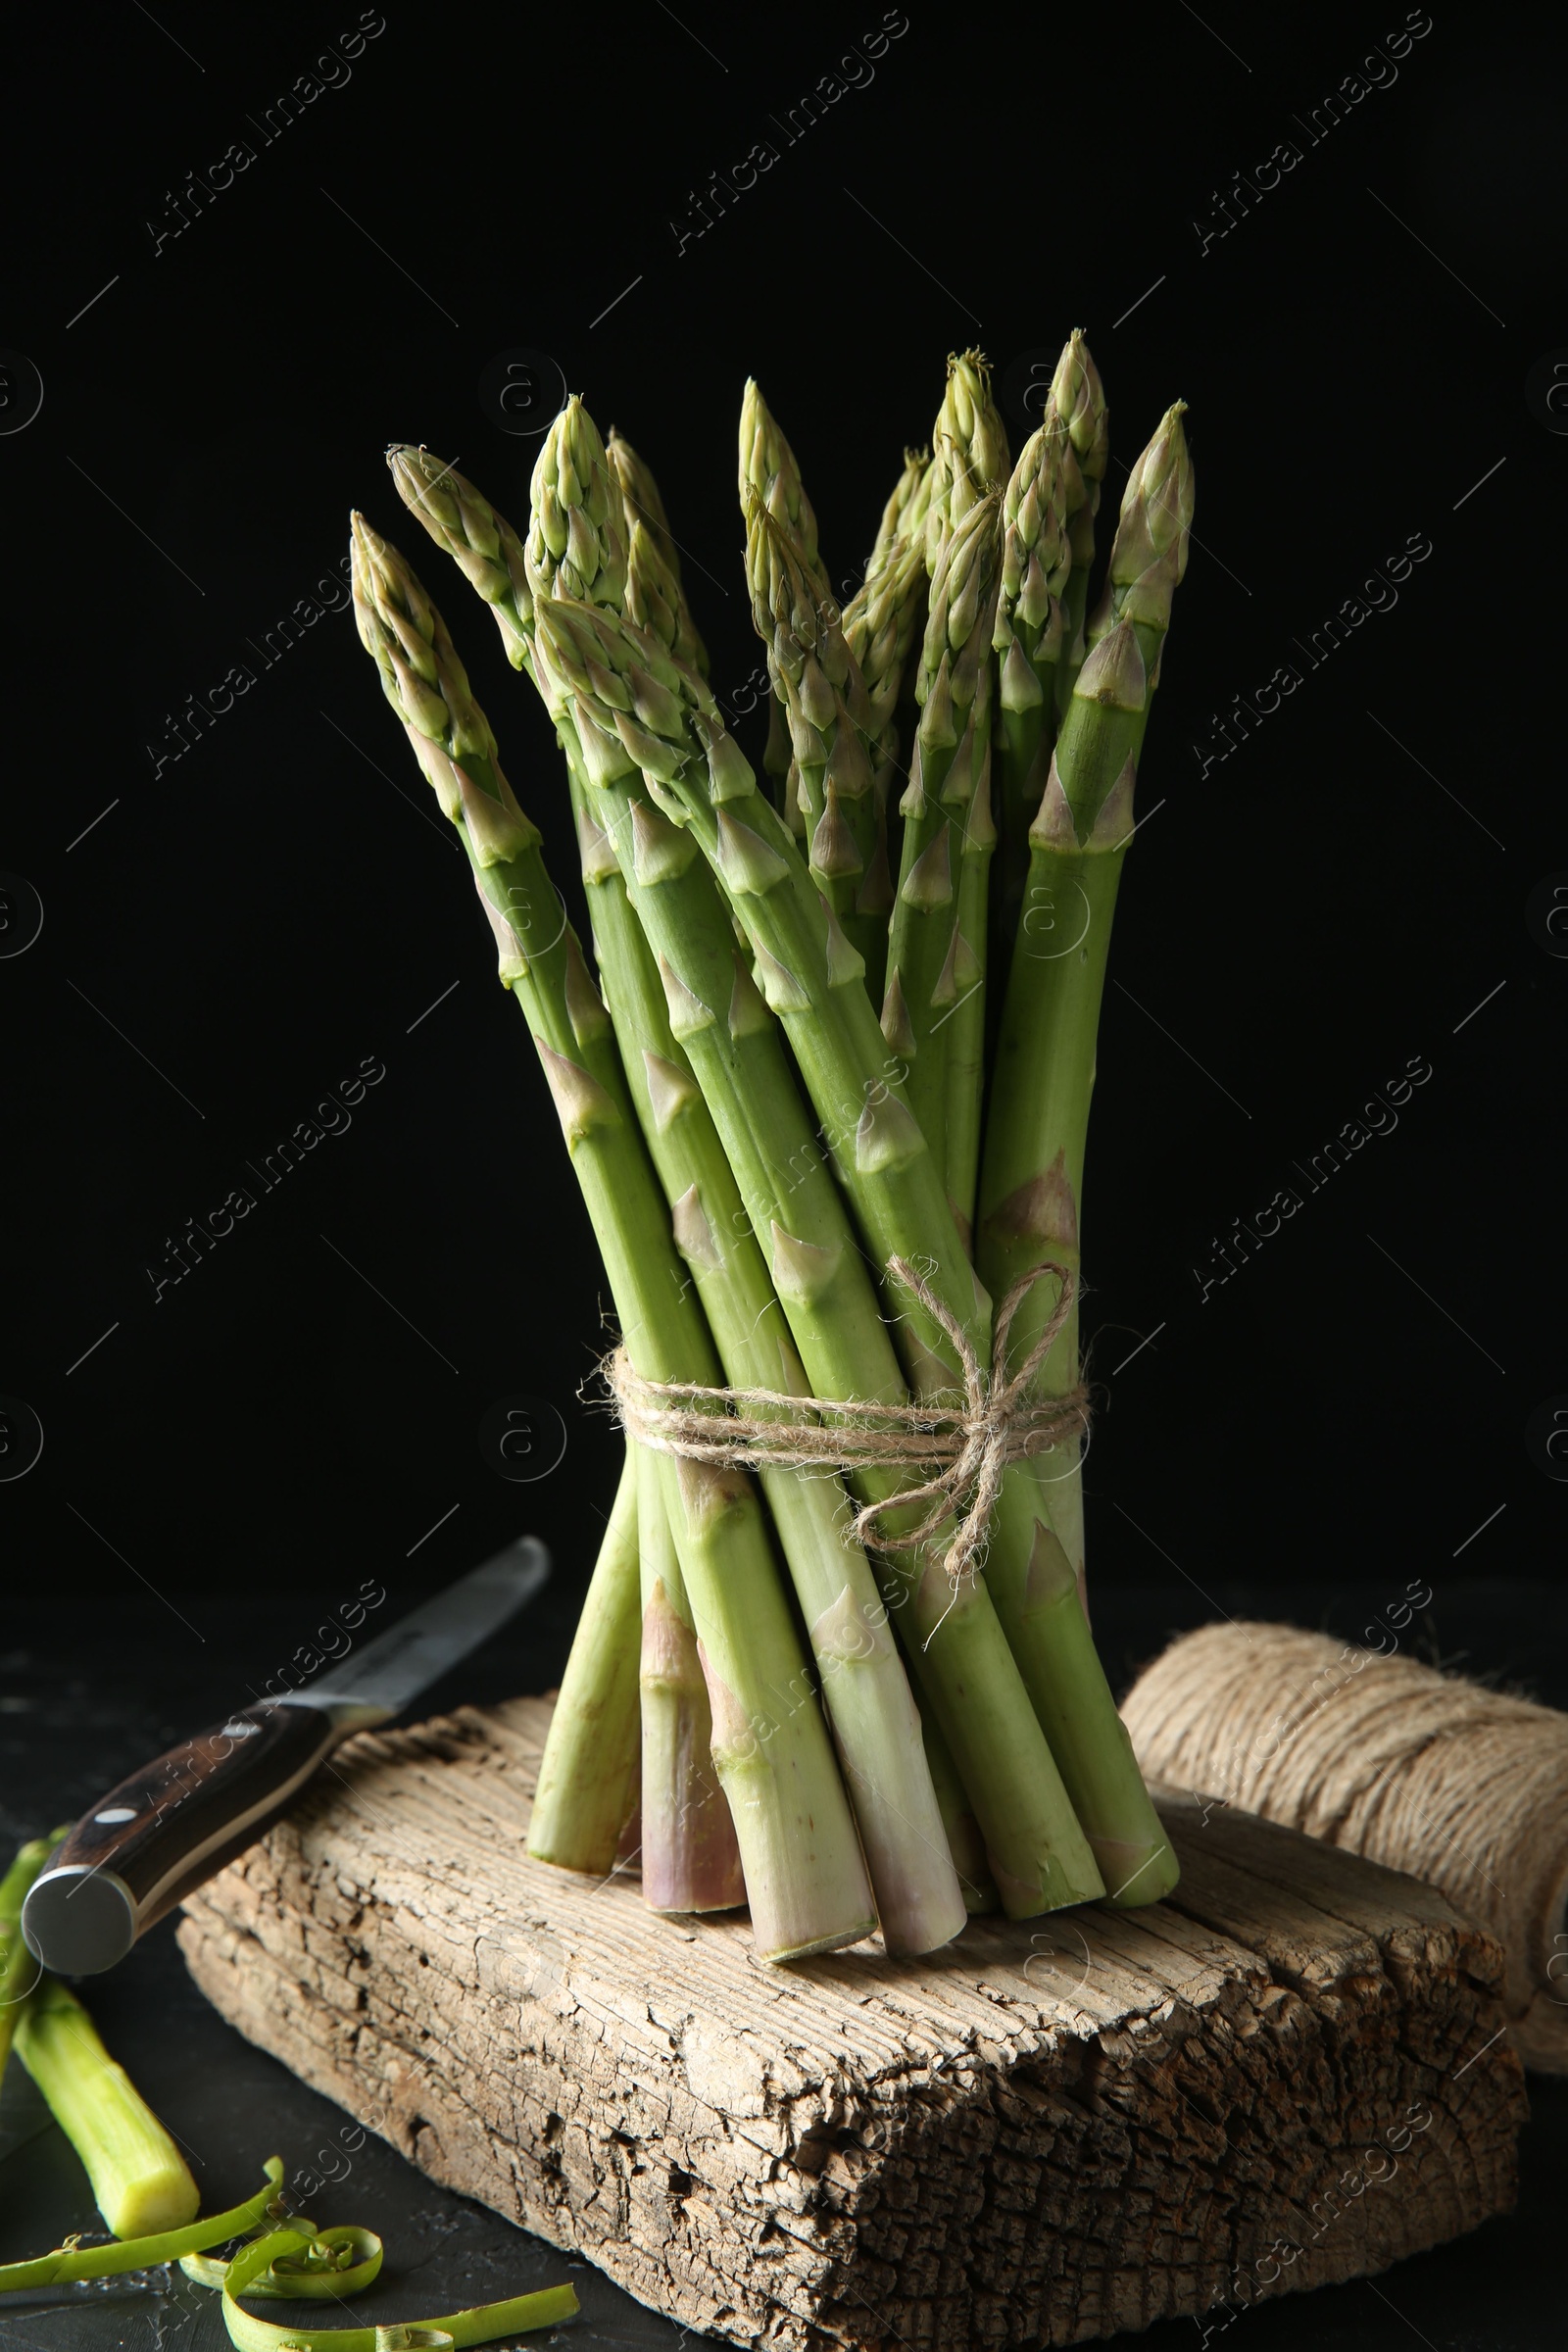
166 1829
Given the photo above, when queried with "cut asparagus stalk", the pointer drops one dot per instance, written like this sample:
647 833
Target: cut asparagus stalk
1032 1185
588 1774
689 1858
804 1878
19 1969
140 2181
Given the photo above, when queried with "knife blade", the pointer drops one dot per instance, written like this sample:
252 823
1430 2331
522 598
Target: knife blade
175 1823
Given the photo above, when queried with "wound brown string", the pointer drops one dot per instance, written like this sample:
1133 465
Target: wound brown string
1461 1785
963 1448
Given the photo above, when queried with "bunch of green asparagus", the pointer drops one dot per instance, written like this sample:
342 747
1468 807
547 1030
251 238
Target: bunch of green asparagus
841 1024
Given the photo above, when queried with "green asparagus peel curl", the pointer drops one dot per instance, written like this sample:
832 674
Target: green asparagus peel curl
71 2262
140 2178
20 1971
335 2262
804 1879
1031 1191
302 2261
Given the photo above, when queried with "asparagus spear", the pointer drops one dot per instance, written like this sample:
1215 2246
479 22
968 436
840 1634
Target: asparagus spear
576 540
885 614
768 471
830 721
19 1969
140 2181
881 623
1033 1177
931 962
588 1775
1036 569
804 1878
1077 397
964 1019
1040 1858
688 1858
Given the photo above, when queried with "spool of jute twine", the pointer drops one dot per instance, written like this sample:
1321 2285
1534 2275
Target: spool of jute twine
1423 1772
963 1447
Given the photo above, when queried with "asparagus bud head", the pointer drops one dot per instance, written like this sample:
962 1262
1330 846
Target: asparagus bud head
1036 555
769 473
968 450
482 544
575 545
905 513
640 499
655 602
1078 398
400 629
1149 556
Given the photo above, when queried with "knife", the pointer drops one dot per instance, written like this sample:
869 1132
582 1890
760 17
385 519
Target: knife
176 1822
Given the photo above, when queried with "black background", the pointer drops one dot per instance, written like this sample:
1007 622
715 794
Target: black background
246 925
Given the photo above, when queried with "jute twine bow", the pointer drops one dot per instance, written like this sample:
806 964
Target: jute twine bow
964 1448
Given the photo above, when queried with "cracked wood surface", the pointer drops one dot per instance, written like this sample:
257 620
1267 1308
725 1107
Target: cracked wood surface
1293 2071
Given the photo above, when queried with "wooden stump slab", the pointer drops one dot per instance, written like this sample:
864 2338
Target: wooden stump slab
1293 2070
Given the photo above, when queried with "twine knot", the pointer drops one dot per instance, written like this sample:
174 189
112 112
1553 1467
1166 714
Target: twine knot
963 1448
